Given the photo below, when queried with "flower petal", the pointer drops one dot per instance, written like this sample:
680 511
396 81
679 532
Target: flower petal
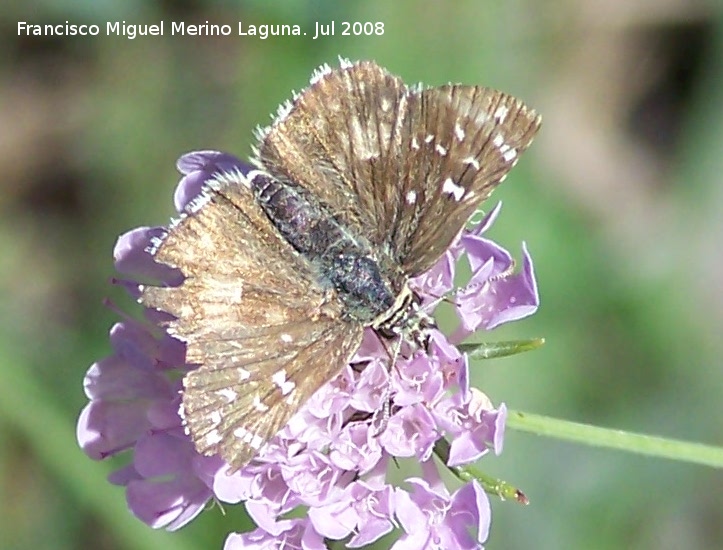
198 167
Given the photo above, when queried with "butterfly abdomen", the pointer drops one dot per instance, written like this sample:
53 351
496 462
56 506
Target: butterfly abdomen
344 261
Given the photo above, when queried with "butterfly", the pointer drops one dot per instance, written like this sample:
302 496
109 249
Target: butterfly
361 183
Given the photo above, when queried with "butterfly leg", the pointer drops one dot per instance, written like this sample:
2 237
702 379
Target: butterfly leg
382 415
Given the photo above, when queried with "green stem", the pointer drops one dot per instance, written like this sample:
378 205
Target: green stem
492 350
684 451
468 473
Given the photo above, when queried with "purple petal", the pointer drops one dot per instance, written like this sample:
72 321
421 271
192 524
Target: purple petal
417 380
414 518
370 349
205 468
312 477
163 417
159 455
297 533
113 378
133 341
486 258
236 487
371 387
198 167
356 448
334 396
132 257
375 510
335 520
431 515
487 221
470 508
266 516
438 281
123 476
171 504
491 302
410 432
476 427
107 428
413 521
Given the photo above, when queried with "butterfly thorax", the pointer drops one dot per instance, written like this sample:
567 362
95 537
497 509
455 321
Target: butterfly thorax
344 261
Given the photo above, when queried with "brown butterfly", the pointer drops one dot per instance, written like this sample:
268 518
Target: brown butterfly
362 183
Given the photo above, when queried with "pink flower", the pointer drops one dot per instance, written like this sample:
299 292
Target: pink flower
332 456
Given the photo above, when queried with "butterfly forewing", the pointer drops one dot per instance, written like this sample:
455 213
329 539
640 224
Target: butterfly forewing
265 334
405 167
341 140
459 143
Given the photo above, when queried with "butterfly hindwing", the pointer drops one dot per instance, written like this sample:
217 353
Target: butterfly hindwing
233 408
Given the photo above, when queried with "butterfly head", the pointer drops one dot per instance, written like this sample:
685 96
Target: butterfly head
406 319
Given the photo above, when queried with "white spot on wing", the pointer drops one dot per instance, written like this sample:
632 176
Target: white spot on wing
429 138
451 188
501 113
279 378
212 438
472 162
415 143
215 417
509 155
156 243
250 438
458 131
441 150
228 394
507 152
258 405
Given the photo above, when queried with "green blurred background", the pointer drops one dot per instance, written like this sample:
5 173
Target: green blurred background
620 201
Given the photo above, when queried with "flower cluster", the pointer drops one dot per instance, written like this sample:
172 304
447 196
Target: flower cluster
333 456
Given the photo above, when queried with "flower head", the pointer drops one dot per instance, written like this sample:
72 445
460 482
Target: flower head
332 457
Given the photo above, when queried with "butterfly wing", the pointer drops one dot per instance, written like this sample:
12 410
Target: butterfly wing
263 331
404 167
339 139
460 143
